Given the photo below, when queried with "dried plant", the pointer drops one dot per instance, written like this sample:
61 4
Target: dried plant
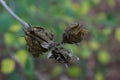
74 34
40 40
60 54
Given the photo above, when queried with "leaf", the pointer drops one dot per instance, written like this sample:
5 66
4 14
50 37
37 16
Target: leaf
15 75
33 9
117 34
96 2
111 3
9 39
67 3
103 56
101 16
22 40
29 67
107 31
56 71
85 7
15 28
74 71
94 45
75 7
5 22
99 76
7 65
22 56
85 53
72 48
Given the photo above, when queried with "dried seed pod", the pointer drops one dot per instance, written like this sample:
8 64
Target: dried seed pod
60 54
38 40
74 34
74 60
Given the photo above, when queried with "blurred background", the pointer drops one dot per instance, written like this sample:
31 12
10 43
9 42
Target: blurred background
99 52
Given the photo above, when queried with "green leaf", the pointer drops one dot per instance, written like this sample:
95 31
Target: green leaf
15 28
7 65
103 56
9 39
94 45
101 16
96 2
56 71
72 48
85 53
74 71
22 40
5 22
107 31
29 67
111 3
99 76
15 75
85 7
21 55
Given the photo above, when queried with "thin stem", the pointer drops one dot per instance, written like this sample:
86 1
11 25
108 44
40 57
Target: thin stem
16 60
13 14
66 66
39 76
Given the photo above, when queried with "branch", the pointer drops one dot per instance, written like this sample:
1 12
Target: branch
13 14
37 74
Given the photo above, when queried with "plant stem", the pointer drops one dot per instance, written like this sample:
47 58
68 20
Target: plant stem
66 66
13 14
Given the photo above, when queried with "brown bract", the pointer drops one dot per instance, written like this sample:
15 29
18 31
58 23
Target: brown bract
38 40
61 54
74 34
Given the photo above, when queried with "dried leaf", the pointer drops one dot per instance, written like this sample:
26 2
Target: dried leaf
38 40
60 54
74 34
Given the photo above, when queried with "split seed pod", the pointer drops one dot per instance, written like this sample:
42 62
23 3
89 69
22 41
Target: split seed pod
74 34
60 54
38 40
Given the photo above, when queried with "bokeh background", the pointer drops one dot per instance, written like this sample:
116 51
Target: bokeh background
99 52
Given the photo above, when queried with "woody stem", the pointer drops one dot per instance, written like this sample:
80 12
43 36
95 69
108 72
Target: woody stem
25 24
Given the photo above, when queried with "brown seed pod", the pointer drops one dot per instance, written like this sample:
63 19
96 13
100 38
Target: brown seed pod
60 54
74 34
38 40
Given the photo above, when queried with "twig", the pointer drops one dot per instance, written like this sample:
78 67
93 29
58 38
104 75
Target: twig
66 66
39 76
16 60
13 14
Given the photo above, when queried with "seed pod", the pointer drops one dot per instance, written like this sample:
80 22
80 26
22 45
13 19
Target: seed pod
60 54
38 40
74 34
